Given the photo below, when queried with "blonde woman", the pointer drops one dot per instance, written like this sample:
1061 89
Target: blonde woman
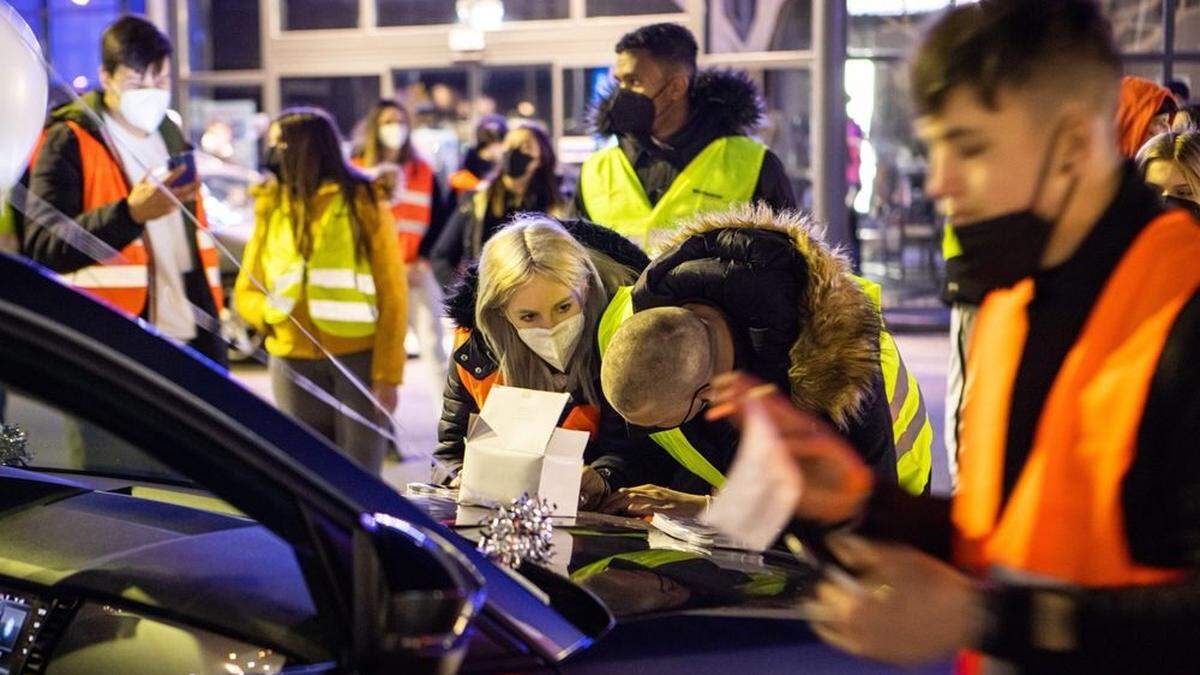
1170 163
527 315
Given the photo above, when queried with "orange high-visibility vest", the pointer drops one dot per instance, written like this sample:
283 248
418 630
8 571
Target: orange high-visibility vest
580 418
1064 520
413 208
123 281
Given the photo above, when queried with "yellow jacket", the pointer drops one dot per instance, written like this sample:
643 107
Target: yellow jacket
387 268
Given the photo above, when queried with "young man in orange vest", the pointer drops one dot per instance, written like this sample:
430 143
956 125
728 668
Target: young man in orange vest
97 174
1073 542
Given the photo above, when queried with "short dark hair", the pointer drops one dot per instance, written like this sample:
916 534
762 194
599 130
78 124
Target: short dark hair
133 42
997 43
667 42
1179 89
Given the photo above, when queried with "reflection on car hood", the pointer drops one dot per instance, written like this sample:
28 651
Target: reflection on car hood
226 571
639 571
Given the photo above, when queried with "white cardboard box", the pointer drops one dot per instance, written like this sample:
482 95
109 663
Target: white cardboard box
513 447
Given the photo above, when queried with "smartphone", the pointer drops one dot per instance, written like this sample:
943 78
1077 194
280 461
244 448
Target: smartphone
186 159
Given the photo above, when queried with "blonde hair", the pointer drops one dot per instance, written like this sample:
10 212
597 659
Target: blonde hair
537 245
1181 148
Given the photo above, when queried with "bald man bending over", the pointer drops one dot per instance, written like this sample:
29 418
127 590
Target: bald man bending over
747 290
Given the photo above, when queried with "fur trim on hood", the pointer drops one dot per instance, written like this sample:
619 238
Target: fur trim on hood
460 302
728 99
835 359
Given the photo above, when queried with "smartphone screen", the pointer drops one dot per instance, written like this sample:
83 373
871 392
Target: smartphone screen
188 160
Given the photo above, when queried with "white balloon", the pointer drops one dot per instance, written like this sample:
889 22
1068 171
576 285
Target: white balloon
23 91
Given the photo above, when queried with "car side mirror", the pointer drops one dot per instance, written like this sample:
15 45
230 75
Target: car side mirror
426 597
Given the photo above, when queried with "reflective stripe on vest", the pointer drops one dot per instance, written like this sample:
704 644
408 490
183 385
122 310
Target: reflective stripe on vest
673 441
580 418
951 248
336 280
649 558
413 208
912 433
123 281
911 429
1064 519
723 174
8 229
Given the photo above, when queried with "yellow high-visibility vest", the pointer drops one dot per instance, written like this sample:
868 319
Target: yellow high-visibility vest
911 430
336 280
724 174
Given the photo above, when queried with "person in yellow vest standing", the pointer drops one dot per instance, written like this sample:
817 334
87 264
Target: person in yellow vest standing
420 210
1073 542
99 175
324 263
684 143
751 290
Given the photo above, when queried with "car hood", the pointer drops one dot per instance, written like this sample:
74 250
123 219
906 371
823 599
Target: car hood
639 571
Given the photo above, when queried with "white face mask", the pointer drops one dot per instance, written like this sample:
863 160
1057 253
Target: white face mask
145 108
393 135
554 345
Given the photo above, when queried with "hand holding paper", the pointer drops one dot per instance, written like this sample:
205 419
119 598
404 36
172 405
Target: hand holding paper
789 464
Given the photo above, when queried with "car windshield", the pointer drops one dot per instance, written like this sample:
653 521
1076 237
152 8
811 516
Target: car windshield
55 440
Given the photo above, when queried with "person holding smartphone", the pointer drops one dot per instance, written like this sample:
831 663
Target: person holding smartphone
103 161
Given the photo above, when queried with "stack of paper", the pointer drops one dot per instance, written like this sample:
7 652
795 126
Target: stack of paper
694 533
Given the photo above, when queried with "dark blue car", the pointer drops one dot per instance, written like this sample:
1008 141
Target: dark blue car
170 521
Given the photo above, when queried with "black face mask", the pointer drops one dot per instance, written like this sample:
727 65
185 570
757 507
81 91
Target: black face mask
1185 204
633 113
272 160
1000 251
516 163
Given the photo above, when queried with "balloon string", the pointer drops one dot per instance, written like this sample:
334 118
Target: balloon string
90 245
337 363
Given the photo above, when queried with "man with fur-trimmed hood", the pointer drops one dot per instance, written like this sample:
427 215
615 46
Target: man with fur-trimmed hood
750 290
684 141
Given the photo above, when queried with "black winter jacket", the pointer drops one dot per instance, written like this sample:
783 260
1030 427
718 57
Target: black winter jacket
475 357
57 179
799 321
724 103
467 229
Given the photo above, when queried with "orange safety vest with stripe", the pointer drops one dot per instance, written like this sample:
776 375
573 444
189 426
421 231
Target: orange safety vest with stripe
584 417
413 207
1063 520
123 281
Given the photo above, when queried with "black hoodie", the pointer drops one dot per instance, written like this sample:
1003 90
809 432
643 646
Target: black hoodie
723 103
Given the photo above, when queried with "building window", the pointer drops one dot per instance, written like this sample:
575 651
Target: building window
582 89
432 12
318 14
223 35
521 93
348 99
226 122
632 7
748 26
